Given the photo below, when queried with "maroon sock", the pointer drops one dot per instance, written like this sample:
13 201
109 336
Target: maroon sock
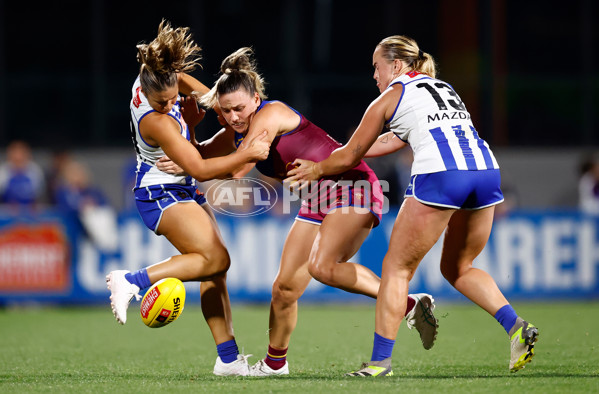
411 304
275 358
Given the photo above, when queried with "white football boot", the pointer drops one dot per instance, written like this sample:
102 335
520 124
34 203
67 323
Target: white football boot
421 317
121 293
239 367
262 369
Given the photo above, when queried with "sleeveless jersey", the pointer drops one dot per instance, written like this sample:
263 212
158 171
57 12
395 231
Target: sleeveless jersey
431 117
306 141
146 172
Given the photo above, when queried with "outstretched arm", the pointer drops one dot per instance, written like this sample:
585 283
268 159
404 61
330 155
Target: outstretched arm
188 84
162 131
220 144
386 143
349 155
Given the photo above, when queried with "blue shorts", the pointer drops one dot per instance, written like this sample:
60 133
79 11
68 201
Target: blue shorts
152 201
457 189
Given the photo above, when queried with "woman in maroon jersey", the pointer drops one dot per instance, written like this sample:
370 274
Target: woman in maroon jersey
333 221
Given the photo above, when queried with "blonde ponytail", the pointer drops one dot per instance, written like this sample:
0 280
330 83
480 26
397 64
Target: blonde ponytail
406 49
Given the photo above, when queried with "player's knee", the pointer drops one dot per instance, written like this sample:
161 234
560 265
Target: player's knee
406 273
322 272
451 272
284 294
212 263
220 261
448 273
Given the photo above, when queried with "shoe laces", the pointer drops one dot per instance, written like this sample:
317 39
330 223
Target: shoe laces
426 314
244 357
135 291
260 366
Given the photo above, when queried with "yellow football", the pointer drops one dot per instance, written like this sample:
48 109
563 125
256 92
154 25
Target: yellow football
163 303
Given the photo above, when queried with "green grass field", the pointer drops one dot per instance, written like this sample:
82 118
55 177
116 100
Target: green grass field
85 350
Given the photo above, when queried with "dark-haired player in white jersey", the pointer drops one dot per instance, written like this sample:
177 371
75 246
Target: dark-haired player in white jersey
454 188
171 205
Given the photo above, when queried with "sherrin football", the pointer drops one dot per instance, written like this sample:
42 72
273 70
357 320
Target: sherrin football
163 303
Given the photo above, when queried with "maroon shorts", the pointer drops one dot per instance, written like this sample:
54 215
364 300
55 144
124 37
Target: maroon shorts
354 188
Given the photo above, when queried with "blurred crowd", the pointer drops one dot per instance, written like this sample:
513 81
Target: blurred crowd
65 185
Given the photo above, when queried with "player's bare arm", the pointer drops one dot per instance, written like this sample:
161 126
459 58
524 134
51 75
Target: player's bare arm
349 155
178 149
385 144
220 144
276 118
188 84
192 115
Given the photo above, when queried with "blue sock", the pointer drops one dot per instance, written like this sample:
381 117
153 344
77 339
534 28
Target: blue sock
506 316
139 278
382 348
227 351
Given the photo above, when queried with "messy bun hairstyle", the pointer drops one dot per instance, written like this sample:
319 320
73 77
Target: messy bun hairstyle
172 51
238 71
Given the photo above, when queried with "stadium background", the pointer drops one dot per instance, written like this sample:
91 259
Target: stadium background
526 70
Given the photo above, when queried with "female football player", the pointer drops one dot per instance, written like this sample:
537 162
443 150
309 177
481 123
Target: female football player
171 205
454 189
332 223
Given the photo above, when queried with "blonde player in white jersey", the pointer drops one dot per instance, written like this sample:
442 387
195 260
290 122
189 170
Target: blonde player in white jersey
454 188
171 205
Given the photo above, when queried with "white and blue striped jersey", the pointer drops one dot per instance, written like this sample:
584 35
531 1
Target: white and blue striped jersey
147 155
431 117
